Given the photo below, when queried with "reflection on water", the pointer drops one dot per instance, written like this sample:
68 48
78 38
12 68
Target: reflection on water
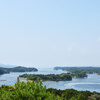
92 83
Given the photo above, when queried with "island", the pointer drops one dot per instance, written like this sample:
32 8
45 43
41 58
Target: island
78 75
53 77
49 77
17 69
87 70
2 71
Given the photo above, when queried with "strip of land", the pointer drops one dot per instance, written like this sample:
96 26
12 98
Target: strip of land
88 70
53 77
17 69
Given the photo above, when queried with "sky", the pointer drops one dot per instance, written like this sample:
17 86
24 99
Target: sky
49 33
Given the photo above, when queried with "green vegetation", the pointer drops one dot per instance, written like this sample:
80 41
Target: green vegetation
21 69
16 69
88 70
26 91
49 77
32 90
78 75
53 77
2 71
71 94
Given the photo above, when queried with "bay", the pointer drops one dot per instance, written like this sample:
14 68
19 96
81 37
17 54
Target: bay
91 83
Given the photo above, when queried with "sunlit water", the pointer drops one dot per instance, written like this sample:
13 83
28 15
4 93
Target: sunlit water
92 83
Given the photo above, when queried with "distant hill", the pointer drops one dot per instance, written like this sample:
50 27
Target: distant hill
2 71
17 69
80 69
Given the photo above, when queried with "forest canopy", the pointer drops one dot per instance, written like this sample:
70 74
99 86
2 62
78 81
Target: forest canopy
16 69
32 90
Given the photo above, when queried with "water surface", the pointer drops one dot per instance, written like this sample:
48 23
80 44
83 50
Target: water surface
92 83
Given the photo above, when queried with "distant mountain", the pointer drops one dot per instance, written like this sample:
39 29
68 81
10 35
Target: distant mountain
4 70
21 69
88 69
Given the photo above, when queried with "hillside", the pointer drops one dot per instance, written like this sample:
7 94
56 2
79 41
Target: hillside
17 69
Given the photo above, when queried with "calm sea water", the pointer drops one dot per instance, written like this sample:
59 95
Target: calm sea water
92 83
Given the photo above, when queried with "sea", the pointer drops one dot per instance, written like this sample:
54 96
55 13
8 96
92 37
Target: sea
91 83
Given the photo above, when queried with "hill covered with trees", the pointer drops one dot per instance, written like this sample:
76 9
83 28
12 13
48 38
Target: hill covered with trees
49 77
2 71
53 77
88 70
16 69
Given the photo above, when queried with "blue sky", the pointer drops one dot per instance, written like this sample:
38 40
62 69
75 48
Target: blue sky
48 33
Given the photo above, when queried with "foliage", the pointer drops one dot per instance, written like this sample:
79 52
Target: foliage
21 69
16 69
26 91
2 71
51 77
79 75
32 90
89 70
71 94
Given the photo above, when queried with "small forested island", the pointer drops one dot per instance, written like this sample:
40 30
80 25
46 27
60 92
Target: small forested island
17 69
2 71
36 91
78 75
53 77
88 70
49 77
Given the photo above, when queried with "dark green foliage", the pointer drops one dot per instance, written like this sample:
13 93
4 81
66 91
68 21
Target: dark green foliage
89 70
21 69
26 91
32 90
79 75
3 71
51 77
71 94
16 69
